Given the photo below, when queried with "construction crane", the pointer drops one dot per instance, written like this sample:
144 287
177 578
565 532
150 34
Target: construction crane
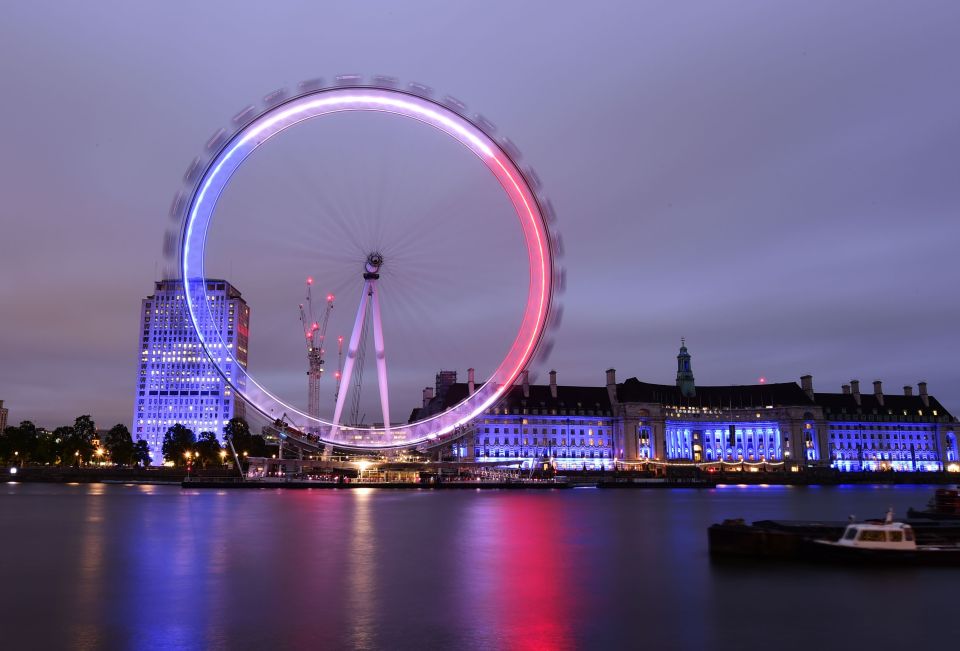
314 332
339 373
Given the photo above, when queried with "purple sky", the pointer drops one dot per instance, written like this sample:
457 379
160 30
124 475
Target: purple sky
776 182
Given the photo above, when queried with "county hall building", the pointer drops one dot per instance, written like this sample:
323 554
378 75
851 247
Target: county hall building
639 423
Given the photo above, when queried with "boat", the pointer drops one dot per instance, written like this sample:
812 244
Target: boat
735 539
945 505
880 543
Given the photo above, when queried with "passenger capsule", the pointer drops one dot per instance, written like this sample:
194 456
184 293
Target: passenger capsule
169 244
193 171
507 145
310 85
556 241
484 124
544 352
245 115
556 317
216 140
177 207
548 211
421 90
532 179
385 81
276 97
560 280
454 105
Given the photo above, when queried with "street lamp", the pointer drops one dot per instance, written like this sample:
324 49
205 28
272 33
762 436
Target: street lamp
361 466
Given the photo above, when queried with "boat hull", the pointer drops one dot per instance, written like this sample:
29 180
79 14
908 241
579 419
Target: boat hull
829 552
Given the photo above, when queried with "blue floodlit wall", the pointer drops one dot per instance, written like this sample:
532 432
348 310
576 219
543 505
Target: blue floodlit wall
176 382
885 446
568 442
711 441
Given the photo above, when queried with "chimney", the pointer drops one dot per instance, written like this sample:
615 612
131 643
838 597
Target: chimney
806 383
878 391
922 386
526 384
612 387
855 389
553 384
427 396
846 389
471 386
907 390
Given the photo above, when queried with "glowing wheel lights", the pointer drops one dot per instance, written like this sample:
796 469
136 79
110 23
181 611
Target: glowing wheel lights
196 208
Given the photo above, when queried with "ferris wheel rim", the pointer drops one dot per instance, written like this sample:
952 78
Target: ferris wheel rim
257 130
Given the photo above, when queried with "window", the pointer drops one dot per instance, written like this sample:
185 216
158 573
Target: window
872 535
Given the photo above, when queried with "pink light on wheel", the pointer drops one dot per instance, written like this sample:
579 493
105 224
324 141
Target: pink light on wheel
532 219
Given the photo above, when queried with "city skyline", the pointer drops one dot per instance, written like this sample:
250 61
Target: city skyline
828 186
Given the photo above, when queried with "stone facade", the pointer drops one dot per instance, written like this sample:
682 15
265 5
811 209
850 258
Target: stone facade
782 424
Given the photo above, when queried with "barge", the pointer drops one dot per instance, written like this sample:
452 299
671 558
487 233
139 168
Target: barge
790 539
945 505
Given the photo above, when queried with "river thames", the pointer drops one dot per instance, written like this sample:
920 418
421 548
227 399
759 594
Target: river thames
156 567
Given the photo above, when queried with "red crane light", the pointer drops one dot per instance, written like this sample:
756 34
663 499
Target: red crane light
309 280
330 298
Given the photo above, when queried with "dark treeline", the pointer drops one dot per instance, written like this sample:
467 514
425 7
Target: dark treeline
80 444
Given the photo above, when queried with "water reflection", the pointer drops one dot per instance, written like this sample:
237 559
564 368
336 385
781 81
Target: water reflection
516 581
88 585
146 567
361 591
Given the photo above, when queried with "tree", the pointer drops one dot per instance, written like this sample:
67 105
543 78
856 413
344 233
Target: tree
47 450
76 443
208 449
119 444
141 453
258 446
85 429
178 441
6 450
19 443
237 431
64 446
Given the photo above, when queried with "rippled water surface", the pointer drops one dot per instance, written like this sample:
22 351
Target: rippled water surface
142 567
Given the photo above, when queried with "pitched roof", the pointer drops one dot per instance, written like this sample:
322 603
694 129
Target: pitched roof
893 404
569 398
744 396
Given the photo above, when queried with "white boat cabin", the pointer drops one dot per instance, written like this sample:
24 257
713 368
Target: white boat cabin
885 535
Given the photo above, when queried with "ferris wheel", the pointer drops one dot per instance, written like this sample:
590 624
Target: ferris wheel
207 177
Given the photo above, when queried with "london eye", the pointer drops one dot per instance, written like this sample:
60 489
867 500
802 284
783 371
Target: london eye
190 240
